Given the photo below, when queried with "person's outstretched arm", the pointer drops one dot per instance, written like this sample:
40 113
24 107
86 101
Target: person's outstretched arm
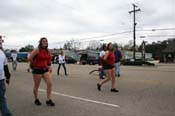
7 74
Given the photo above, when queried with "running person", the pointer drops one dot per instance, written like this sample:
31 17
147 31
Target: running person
109 61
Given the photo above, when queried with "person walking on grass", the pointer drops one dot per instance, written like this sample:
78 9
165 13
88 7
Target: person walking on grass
109 61
40 59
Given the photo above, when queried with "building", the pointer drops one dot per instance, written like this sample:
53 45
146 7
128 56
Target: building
169 52
129 55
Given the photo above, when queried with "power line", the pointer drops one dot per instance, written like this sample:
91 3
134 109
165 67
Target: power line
124 32
157 36
158 29
95 37
118 33
113 34
107 35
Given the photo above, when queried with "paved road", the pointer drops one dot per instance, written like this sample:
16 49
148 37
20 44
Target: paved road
144 91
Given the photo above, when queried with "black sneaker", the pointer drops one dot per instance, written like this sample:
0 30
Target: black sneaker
114 90
98 87
50 103
28 70
37 102
118 75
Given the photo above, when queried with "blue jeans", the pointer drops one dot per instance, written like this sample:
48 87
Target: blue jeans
58 70
102 73
3 104
117 68
14 65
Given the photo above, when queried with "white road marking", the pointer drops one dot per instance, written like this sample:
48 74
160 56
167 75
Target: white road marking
83 99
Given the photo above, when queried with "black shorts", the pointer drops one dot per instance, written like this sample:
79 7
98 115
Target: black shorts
39 71
108 66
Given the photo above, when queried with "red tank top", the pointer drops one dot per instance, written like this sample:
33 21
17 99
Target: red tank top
42 59
111 58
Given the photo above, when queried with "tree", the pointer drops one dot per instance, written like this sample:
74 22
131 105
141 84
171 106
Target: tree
156 48
72 45
94 45
26 48
67 46
101 46
119 45
129 46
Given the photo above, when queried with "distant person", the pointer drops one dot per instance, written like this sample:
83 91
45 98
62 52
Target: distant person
14 59
40 59
101 56
29 68
61 61
118 57
1 41
3 71
109 68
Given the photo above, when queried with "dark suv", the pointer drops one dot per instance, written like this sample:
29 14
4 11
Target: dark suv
85 59
92 60
70 60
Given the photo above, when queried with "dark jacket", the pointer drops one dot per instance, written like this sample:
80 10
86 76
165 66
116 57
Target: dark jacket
118 56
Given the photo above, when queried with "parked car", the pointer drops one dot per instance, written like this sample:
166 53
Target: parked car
92 60
22 56
83 59
86 59
70 60
54 59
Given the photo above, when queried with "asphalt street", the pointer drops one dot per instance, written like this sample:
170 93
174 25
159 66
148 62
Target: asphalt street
143 91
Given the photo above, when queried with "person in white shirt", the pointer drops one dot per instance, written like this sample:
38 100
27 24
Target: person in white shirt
102 54
14 59
61 61
3 71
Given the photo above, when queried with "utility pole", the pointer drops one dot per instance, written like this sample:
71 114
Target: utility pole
134 28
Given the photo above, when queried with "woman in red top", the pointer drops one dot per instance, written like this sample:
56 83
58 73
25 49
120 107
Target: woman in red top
109 61
40 59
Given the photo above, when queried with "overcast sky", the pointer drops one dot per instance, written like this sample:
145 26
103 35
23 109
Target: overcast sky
23 22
